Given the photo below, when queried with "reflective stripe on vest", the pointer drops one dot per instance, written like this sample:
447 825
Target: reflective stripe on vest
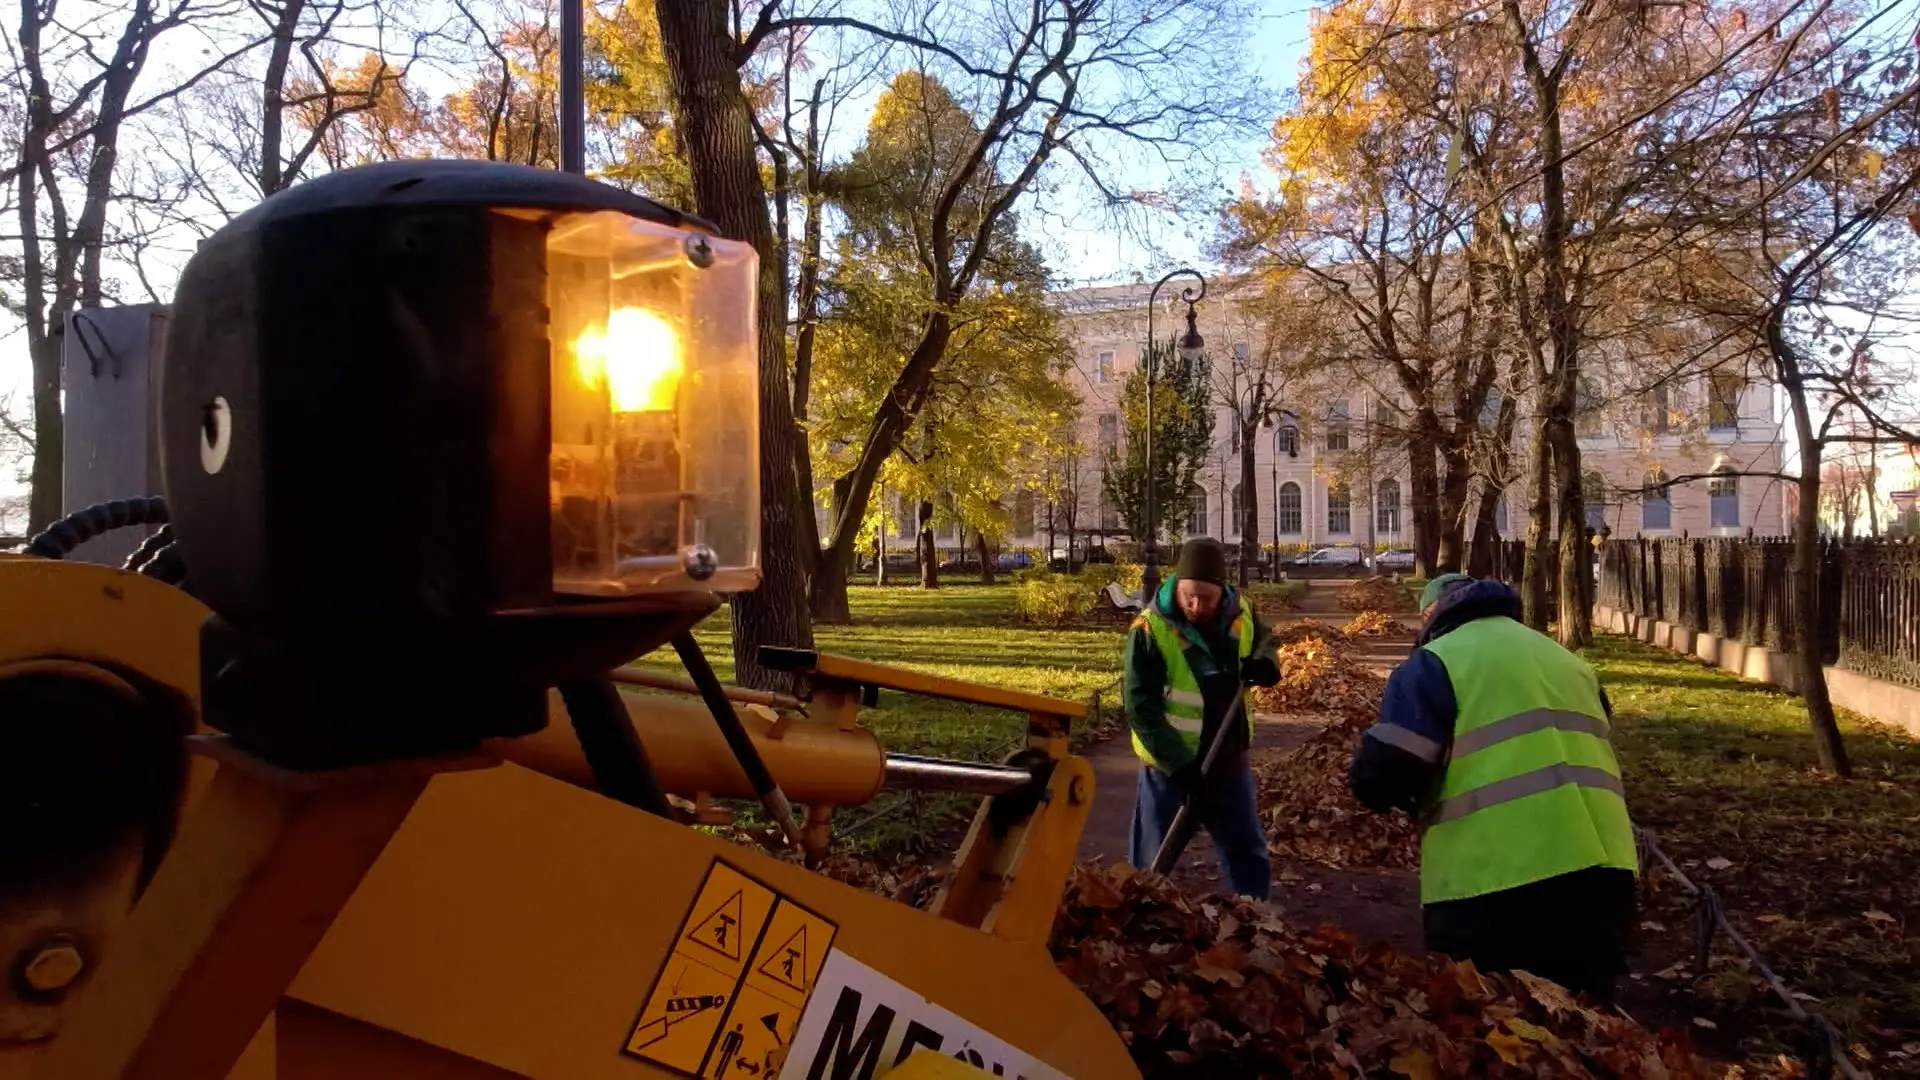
1531 788
1184 703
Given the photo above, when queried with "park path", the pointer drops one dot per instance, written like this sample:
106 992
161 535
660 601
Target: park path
1373 905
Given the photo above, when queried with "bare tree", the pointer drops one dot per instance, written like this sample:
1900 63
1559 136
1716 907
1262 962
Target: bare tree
77 78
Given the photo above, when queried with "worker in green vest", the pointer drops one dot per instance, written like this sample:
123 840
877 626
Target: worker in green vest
1497 740
1189 656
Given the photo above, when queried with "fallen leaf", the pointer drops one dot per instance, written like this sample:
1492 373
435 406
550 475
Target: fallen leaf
1415 1064
1703 1022
1719 862
1876 915
1656 927
1512 1049
1770 918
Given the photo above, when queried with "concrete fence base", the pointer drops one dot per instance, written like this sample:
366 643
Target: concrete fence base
1889 703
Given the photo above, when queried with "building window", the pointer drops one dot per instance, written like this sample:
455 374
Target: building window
1386 514
1339 510
1241 350
1656 505
1586 410
1723 400
1286 439
1289 512
1337 425
1103 365
1239 511
1023 514
1110 433
1723 498
1593 494
1197 511
1657 415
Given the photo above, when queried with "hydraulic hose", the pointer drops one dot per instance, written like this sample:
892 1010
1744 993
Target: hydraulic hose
158 539
57 540
771 797
167 565
621 769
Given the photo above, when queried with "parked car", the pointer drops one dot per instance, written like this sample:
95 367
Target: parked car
1013 560
1396 559
1329 556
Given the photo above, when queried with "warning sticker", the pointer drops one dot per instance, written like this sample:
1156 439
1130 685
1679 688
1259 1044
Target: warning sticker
731 993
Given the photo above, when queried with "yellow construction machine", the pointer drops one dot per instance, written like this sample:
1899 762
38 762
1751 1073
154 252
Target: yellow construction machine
334 778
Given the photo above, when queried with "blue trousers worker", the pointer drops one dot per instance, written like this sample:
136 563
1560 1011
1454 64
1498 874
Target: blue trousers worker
1189 658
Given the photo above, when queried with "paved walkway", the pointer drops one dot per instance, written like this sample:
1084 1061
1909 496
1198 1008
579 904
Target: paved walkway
1371 904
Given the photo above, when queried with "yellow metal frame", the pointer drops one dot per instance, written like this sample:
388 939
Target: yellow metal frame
464 918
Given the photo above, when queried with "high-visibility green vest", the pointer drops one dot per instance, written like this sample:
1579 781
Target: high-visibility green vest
1185 708
1531 789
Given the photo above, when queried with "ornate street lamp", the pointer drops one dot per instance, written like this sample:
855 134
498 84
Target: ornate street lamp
1191 345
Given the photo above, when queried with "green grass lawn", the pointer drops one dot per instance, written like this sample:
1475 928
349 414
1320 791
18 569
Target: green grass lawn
1824 874
964 632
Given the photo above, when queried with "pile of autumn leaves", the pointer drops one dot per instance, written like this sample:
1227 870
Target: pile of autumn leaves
1221 987
1218 987
1308 811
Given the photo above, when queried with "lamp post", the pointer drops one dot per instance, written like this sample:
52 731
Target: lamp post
1191 344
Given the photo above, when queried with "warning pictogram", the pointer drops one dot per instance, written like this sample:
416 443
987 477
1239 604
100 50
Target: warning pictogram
728 997
787 962
721 929
680 1022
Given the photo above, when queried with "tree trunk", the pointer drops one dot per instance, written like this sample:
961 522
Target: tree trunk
1072 516
1873 488
1423 490
715 125
890 423
1046 560
986 559
1480 560
273 99
929 555
1533 585
1455 483
1575 600
1249 503
1808 597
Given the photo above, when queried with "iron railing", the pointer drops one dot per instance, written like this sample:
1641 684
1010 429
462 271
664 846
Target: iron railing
1869 617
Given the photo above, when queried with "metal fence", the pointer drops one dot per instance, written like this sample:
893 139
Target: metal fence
1869 618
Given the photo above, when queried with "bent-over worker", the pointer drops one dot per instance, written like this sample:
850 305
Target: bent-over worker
1497 740
1189 656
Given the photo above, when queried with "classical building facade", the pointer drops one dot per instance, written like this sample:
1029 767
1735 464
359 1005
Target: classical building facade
1324 476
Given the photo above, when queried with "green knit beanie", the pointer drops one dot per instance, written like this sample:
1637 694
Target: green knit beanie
1440 586
1202 559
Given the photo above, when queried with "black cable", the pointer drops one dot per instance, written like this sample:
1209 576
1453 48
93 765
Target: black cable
158 539
61 537
771 797
621 769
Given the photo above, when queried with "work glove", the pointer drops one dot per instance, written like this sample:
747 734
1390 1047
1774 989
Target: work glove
1260 671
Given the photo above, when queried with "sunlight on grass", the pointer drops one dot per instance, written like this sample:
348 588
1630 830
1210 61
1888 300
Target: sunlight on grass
1824 871
963 632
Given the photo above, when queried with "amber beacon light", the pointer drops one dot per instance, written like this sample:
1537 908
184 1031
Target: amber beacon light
458 431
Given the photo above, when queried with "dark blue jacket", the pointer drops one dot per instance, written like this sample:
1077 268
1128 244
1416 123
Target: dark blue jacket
1419 698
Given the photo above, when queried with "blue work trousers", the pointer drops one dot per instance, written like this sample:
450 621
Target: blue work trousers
1230 813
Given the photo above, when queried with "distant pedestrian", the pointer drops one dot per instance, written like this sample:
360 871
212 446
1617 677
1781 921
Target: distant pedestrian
1498 741
1189 656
